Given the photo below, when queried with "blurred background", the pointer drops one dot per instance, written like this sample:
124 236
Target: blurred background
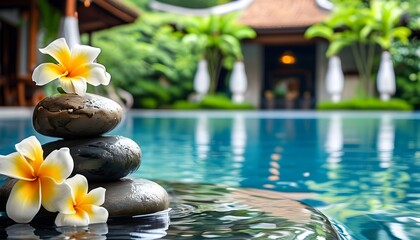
224 54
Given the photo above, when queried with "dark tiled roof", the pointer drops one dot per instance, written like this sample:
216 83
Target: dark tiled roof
282 14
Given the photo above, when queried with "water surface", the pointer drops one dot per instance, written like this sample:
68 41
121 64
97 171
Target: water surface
361 170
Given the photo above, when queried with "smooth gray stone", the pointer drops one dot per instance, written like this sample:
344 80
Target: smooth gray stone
74 116
130 197
101 159
125 197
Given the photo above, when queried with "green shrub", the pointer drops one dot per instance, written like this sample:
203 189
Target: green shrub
185 105
147 103
221 101
148 59
218 101
366 104
407 71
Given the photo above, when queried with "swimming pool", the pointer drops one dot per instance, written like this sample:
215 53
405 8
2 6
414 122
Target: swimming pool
359 169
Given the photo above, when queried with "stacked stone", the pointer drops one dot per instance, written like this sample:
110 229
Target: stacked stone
81 122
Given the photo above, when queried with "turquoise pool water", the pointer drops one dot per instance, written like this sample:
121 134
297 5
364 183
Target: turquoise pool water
362 170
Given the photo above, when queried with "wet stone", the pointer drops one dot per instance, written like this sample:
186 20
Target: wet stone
101 159
125 197
130 197
74 116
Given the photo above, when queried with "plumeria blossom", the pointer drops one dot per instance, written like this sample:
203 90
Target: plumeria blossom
74 69
86 206
40 182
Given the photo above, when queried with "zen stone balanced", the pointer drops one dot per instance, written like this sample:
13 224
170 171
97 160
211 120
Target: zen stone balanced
72 116
104 160
101 159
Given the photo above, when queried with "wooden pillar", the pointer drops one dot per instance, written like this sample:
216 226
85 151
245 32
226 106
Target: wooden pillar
33 32
70 8
25 78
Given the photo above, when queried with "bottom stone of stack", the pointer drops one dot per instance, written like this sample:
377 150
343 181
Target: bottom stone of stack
125 197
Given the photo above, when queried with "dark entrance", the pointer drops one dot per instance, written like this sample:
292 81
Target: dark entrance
8 62
289 77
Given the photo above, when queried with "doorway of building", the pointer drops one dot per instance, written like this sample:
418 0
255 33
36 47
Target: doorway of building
289 77
8 62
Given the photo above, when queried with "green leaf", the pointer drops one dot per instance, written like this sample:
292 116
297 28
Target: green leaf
244 32
60 90
335 47
366 30
214 26
402 33
226 21
230 46
319 30
383 41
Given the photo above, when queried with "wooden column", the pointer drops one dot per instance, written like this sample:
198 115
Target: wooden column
24 79
70 8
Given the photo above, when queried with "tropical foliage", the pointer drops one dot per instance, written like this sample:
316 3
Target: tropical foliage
155 59
362 26
406 58
407 69
366 104
149 60
217 39
216 101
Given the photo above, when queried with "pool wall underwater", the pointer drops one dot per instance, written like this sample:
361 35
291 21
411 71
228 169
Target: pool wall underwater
359 169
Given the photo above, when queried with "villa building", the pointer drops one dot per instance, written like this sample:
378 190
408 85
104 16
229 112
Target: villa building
284 69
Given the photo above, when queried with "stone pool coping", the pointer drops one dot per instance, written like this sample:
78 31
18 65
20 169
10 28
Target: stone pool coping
21 112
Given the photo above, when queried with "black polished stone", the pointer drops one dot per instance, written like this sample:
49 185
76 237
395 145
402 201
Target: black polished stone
74 116
101 159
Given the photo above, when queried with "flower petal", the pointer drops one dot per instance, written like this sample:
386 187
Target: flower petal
82 54
79 187
97 75
24 201
80 218
95 196
30 148
47 72
15 166
56 197
58 165
79 85
66 84
96 214
59 50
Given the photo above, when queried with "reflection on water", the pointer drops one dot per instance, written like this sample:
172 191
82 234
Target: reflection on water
334 141
385 142
198 211
228 213
143 227
202 138
361 170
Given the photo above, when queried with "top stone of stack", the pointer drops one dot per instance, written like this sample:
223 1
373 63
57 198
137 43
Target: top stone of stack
71 116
